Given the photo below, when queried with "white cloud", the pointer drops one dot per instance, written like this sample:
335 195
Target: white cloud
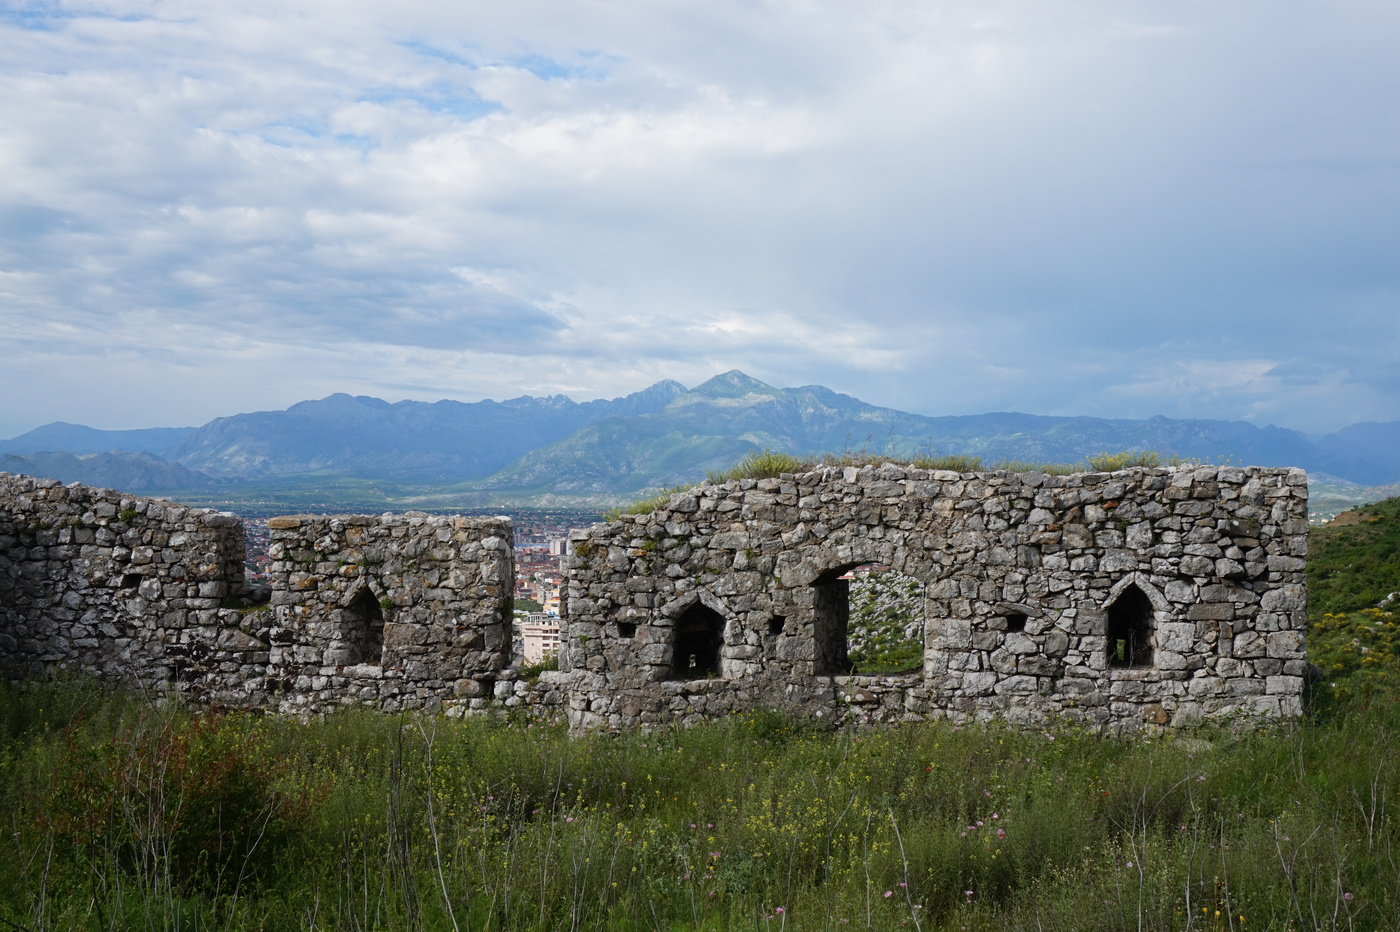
1093 207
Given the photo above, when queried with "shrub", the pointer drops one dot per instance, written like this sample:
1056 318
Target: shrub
955 462
1126 459
194 804
761 464
532 671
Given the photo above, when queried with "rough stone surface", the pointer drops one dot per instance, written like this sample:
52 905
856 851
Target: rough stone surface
437 589
1024 576
399 612
1139 598
123 587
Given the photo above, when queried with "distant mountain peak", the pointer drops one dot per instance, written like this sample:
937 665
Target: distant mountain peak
733 384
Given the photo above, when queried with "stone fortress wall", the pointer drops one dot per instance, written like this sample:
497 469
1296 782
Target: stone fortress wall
1146 596
1142 596
399 612
124 587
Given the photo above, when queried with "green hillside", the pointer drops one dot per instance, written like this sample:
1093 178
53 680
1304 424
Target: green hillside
1353 576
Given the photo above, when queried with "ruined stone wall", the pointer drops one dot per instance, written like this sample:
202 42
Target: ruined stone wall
1142 596
1151 596
121 587
398 611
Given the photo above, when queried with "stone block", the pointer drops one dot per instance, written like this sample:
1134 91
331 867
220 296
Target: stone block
1285 645
1211 611
1284 685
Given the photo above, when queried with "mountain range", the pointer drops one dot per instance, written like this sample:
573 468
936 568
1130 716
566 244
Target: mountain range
536 448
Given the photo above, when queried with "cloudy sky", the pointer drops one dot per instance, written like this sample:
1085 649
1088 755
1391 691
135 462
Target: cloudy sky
1101 207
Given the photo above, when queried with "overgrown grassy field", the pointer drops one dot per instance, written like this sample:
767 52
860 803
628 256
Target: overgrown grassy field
121 814
118 815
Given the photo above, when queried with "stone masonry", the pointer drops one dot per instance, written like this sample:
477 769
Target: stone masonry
123 587
1140 597
399 611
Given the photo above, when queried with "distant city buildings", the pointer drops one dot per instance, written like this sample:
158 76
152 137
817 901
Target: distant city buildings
539 637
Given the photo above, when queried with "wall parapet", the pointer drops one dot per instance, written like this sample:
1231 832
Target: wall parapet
114 585
399 610
1144 597
1141 596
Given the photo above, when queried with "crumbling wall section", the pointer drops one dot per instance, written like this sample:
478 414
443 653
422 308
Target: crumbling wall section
1140 597
1145 596
399 611
120 587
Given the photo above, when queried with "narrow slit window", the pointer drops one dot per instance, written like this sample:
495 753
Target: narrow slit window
699 634
363 622
1130 634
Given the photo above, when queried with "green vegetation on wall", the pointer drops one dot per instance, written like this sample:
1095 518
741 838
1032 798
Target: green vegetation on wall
769 464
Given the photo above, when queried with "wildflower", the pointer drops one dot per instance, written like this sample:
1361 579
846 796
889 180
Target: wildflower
1001 833
888 894
1348 897
987 793
1130 863
995 816
778 910
903 885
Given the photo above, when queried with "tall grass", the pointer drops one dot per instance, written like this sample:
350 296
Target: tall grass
757 822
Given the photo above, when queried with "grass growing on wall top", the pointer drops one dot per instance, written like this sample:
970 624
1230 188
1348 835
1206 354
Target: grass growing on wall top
769 464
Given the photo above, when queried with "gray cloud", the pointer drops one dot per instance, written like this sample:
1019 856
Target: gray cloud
1099 207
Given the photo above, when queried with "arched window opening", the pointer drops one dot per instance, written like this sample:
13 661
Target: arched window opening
1130 629
868 619
699 634
363 624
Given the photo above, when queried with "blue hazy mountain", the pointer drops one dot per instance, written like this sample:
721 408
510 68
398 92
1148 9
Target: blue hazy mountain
411 440
663 435
129 472
716 423
75 438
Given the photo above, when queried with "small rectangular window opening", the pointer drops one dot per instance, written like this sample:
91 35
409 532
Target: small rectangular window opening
1015 622
776 624
626 629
